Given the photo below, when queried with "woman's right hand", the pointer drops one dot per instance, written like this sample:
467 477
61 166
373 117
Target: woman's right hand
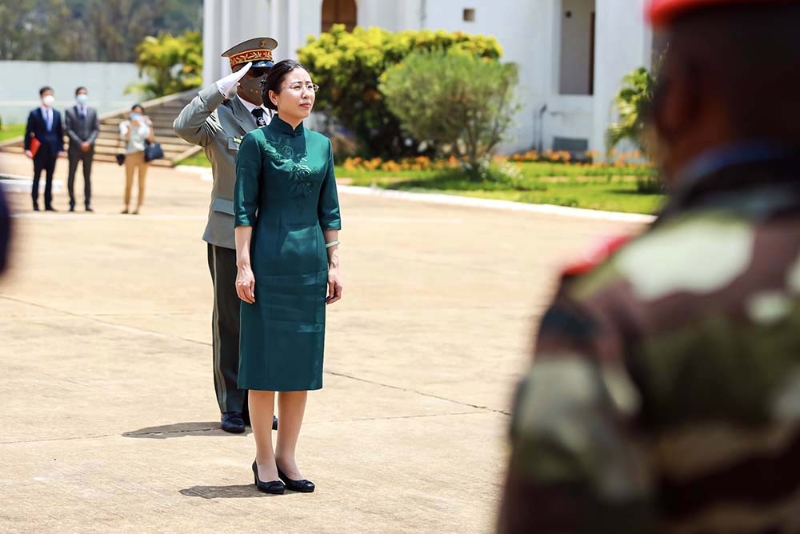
246 284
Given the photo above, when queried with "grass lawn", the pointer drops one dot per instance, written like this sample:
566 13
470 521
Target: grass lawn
10 131
604 188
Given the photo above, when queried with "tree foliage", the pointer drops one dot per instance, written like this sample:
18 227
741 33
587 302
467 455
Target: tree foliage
171 64
459 103
89 30
348 65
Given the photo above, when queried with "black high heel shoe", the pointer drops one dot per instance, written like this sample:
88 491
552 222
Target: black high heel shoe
301 486
275 487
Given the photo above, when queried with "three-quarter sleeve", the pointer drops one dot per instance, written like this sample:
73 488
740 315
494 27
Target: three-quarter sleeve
248 172
328 208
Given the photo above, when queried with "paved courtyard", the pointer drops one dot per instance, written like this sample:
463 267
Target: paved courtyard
109 422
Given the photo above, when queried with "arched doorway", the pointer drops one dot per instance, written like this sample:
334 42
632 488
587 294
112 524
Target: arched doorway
339 12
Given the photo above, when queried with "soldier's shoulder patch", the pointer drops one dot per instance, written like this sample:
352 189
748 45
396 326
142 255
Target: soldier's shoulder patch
595 256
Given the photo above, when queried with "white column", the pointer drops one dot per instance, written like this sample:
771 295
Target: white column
294 30
274 20
211 40
226 31
410 15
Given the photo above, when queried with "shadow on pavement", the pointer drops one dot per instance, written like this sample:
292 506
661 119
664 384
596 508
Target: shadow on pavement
178 430
224 492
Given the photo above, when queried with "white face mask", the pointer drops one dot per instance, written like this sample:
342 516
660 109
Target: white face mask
48 100
82 99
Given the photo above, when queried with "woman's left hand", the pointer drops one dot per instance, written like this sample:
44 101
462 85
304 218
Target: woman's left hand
334 286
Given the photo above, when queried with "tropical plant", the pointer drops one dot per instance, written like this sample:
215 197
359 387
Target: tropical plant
631 103
348 65
170 64
458 103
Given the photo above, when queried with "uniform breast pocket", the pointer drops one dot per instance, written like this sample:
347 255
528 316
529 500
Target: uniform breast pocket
233 144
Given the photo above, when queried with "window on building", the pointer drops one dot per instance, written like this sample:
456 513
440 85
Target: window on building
469 15
339 12
577 47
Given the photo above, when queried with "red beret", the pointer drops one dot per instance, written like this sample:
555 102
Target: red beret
663 12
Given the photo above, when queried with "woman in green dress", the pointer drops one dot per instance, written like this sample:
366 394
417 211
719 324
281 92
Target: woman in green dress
287 228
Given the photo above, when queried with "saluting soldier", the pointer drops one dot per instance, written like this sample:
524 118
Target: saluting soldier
217 119
665 392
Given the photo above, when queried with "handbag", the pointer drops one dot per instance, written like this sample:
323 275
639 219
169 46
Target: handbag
120 156
153 151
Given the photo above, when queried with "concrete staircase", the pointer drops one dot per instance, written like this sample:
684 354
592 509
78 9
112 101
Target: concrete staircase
162 111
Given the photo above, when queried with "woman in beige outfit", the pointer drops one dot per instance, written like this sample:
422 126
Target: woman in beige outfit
136 131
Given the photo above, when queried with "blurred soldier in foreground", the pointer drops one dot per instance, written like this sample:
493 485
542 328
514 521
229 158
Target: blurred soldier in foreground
665 392
5 232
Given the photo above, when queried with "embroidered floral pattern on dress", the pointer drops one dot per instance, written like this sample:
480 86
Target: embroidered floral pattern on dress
301 180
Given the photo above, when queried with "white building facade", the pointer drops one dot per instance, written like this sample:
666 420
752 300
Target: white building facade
572 54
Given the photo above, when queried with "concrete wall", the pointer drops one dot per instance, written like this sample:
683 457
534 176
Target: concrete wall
21 80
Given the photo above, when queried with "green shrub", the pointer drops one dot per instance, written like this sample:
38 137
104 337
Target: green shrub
348 65
458 103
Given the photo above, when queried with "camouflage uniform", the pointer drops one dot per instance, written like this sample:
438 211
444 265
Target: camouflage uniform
665 395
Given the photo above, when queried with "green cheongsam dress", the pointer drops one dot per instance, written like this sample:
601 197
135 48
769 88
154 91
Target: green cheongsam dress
285 189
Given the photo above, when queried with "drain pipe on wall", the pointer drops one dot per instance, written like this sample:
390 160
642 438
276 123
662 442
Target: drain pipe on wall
540 127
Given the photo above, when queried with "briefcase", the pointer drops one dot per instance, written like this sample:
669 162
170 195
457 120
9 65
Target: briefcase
153 151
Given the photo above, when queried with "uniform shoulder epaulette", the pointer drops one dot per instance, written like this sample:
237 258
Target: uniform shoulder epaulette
596 256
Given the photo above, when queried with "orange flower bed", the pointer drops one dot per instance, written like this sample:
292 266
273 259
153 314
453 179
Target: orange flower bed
630 160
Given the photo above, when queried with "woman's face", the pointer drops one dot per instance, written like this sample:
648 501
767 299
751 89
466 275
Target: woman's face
297 95
137 112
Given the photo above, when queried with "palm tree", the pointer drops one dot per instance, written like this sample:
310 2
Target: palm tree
631 105
172 64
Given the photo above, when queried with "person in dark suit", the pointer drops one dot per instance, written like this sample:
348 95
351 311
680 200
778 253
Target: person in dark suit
44 125
82 127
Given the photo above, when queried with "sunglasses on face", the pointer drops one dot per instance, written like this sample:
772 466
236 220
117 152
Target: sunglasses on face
258 72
